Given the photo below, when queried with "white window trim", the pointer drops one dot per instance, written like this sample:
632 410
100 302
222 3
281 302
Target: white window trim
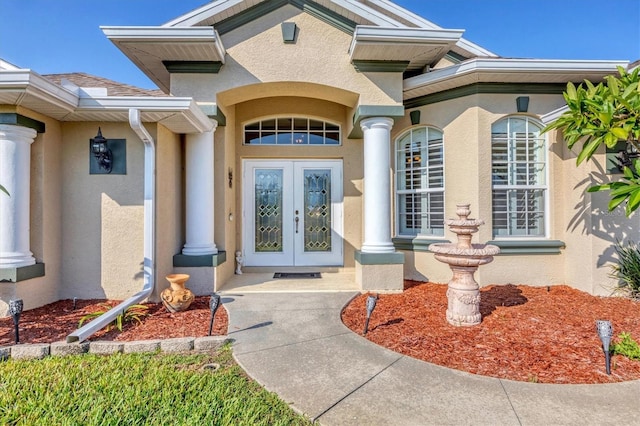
292 116
547 187
398 192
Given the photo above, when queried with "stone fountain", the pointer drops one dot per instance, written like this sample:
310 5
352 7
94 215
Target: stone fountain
464 258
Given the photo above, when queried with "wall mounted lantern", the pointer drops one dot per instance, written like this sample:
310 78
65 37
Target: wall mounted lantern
102 153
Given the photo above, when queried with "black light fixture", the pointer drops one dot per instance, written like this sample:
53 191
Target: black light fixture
214 304
522 103
15 309
371 305
230 177
605 332
102 153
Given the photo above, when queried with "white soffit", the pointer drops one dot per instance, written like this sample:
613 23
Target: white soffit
420 46
147 47
494 70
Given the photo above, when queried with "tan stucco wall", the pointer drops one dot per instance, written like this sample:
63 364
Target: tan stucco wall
169 204
226 196
466 123
591 229
256 54
102 217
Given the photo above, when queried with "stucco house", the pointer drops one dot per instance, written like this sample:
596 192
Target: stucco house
328 135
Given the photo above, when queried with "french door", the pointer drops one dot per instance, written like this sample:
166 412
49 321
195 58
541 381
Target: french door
292 213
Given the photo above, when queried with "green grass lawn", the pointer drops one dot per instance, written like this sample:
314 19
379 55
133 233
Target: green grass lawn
136 389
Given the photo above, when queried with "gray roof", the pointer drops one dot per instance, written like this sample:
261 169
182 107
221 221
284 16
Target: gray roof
114 88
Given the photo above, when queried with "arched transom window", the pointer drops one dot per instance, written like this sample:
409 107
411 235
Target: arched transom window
420 183
291 131
519 177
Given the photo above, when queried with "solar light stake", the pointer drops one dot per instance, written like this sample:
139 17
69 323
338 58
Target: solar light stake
371 305
605 332
214 303
15 309
75 302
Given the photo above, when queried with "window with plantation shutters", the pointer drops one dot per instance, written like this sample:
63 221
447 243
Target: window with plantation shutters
519 178
420 183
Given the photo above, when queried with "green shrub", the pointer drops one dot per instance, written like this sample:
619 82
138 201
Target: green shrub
627 270
626 346
133 313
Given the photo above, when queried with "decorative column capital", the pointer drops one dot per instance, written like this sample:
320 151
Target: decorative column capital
377 123
17 133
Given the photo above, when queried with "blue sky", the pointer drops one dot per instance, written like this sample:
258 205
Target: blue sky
58 36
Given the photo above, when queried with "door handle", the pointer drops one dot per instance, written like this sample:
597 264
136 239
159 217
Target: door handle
297 220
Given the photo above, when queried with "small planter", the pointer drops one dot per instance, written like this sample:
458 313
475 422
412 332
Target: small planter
177 298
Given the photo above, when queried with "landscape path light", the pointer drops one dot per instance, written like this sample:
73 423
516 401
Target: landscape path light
15 309
371 305
605 332
214 304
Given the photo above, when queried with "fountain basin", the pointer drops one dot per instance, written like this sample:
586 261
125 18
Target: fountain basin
463 258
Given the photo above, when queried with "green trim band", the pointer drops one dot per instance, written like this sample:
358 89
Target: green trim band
380 66
529 246
192 67
214 113
210 260
21 120
314 9
415 244
22 273
454 57
484 88
368 111
395 258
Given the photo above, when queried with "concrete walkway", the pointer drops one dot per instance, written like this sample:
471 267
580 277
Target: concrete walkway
295 345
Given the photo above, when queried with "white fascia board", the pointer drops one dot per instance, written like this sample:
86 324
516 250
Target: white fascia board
38 86
405 14
160 33
5 65
475 49
142 103
187 107
494 65
552 116
367 13
202 13
418 20
365 33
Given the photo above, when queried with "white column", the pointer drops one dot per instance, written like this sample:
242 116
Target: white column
199 194
377 185
15 176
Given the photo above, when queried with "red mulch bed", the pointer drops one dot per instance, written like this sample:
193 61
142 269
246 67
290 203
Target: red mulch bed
55 321
534 334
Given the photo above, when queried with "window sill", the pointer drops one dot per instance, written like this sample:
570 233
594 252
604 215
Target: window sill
23 273
415 243
528 246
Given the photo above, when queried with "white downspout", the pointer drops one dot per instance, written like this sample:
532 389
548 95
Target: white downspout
149 235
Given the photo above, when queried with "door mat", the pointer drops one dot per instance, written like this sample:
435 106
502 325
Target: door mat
297 275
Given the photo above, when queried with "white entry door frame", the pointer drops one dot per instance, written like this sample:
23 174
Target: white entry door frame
292 213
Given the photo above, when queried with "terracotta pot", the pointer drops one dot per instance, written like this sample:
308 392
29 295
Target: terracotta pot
177 298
